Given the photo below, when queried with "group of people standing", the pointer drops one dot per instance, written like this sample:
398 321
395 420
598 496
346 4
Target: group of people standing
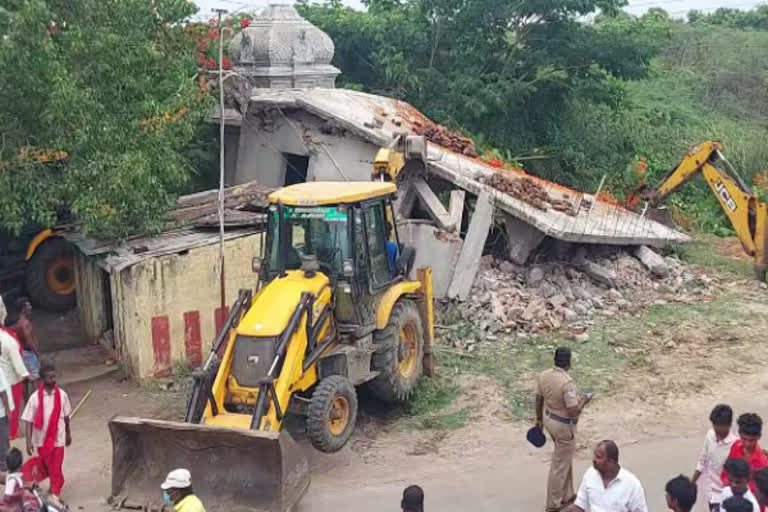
734 466
25 378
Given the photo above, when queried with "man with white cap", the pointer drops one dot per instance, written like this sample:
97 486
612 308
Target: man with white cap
177 489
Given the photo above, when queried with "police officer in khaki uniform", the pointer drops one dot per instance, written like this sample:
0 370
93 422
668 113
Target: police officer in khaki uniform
558 406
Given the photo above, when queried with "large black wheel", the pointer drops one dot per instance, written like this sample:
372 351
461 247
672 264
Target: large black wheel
50 275
332 414
399 353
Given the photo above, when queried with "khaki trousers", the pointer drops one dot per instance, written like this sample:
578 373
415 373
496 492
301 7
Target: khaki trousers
560 483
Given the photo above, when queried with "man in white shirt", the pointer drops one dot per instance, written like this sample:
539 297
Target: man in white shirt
607 487
717 446
6 407
11 362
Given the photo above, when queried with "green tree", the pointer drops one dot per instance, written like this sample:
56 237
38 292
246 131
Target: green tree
756 18
113 83
516 75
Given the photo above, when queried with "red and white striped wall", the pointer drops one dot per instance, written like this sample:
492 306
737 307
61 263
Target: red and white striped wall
166 343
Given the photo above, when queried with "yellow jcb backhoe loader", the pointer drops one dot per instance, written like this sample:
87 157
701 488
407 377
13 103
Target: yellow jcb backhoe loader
747 214
337 310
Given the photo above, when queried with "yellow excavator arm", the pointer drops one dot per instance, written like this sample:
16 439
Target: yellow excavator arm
747 214
389 161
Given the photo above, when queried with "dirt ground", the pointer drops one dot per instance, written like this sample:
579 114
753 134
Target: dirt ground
57 331
657 375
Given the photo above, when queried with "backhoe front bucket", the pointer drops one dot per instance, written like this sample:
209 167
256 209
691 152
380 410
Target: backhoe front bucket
232 469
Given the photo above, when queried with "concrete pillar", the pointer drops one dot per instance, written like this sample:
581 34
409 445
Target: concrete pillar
472 250
522 239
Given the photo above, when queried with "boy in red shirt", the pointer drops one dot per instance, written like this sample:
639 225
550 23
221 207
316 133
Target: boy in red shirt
748 448
47 430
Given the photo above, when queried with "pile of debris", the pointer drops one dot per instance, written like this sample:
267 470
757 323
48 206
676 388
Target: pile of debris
552 294
446 138
529 191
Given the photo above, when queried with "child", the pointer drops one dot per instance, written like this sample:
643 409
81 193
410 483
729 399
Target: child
47 431
738 477
748 446
738 504
717 445
681 494
14 486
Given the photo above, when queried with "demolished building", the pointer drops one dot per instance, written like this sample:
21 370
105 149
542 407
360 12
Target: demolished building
154 300
301 128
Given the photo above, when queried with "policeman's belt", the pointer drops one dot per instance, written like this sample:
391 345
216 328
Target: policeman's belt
561 419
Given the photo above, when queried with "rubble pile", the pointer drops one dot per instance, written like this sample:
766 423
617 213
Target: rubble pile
552 294
529 191
446 138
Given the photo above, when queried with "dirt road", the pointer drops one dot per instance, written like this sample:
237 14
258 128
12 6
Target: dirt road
658 373
483 466
502 472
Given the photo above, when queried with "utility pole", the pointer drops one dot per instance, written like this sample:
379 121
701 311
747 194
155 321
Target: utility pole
219 12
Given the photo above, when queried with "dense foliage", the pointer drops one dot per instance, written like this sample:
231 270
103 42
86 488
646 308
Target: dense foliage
113 84
572 101
571 95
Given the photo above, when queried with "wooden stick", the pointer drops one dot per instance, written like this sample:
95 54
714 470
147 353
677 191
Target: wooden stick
80 403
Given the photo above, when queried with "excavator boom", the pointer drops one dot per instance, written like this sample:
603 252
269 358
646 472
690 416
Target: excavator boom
746 213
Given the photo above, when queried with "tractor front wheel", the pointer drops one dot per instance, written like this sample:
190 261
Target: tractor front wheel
332 414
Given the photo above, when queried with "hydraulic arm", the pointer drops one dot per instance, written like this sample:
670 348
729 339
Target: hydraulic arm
747 214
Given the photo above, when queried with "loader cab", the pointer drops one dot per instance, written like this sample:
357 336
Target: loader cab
348 229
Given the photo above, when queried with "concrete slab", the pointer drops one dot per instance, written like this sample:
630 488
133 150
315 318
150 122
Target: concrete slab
596 222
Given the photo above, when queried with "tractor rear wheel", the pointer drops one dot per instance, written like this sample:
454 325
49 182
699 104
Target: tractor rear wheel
50 275
399 353
332 414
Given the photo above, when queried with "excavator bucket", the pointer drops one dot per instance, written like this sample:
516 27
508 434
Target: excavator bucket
232 469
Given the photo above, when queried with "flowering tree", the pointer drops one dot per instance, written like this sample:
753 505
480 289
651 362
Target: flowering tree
207 37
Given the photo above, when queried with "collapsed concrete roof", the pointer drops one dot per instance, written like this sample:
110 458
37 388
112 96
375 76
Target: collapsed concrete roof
379 120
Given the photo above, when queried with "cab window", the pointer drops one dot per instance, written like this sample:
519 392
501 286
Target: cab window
376 238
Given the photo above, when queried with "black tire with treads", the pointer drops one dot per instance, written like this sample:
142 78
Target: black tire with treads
36 275
390 385
318 413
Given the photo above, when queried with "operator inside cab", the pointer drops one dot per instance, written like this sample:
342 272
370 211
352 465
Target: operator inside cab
316 231
391 251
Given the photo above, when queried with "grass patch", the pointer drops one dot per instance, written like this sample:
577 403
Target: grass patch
429 407
512 362
431 395
703 251
615 345
180 383
442 421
